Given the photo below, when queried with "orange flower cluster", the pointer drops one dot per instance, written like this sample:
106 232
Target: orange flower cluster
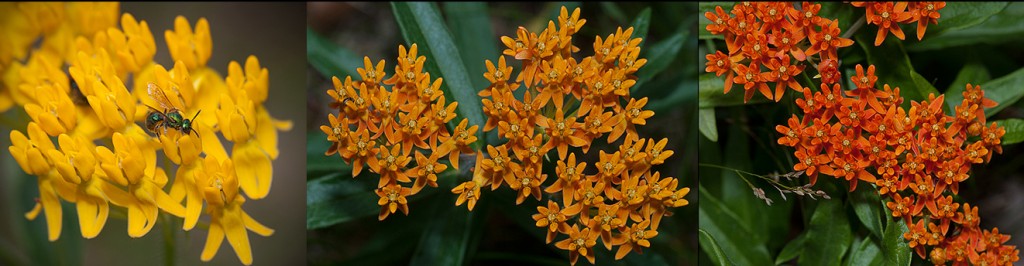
773 36
573 103
921 155
888 15
380 128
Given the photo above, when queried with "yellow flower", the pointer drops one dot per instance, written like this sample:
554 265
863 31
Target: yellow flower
255 84
43 16
238 120
52 109
191 47
28 152
106 93
87 18
184 150
134 46
77 164
135 168
220 185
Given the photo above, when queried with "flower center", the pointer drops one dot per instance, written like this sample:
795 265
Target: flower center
828 37
410 75
808 14
885 14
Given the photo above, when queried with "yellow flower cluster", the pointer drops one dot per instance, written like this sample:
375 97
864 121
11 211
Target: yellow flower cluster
89 82
571 102
380 128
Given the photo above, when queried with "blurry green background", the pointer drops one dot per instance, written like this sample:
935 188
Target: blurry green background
497 232
274 32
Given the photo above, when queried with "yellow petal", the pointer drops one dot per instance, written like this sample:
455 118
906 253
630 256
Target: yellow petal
266 133
91 216
194 198
234 228
254 169
213 240
51 206
168 204
255 226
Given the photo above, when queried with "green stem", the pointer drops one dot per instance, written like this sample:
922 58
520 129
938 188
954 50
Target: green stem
853 28
168 240
741 173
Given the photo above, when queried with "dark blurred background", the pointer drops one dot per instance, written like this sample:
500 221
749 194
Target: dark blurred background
274 32
499 236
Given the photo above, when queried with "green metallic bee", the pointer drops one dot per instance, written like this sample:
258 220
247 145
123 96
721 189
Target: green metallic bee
169 118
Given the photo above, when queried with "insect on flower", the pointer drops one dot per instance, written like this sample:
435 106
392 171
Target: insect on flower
170 117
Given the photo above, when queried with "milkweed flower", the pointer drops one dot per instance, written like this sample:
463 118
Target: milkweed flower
607 203
110 122
220 188
383 123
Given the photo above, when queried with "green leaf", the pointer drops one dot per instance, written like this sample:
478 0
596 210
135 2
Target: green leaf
641 23
894 248
792 249
865 253
613 11
710 92
1000 27
732 233
960 15
710 246
660 56
1014 131
337 198
867 206
892 66
828 234
1005 91
471 29
707 124
704 7
446 238
329 59
421 24
683 92
318 164
973 73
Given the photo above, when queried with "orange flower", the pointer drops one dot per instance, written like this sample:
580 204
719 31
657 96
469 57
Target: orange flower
569 177
827 40
886 15
580 242
425 172
719 63
392 198
926 12
562 133
552 218
632 115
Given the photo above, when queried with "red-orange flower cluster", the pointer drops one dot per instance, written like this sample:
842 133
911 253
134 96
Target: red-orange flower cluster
380 128
888 15
767 41
917 158
570 102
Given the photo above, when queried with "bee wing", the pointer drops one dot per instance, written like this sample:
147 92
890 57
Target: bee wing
159 96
